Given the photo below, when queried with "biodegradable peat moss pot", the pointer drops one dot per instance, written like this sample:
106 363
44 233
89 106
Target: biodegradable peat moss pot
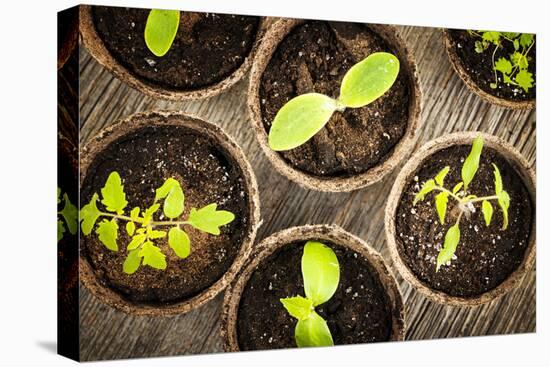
210 52
358 146
476 68
366 306
488 261
146 149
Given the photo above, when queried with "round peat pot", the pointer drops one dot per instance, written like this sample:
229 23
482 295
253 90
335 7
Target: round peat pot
366 307
358 146
210 53
67 34
146 149
488 261
477 72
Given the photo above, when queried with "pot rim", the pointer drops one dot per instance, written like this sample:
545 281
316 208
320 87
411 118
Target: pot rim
99 51
471 84
174 118
328 232
277 32
521 166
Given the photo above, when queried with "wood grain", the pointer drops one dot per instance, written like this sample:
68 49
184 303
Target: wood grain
447 106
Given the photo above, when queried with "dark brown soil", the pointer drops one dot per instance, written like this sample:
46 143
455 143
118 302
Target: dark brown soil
208 47
359 311
145 158
485 256
314 57
480 66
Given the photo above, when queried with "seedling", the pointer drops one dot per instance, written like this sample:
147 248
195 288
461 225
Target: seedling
321 273
465 200
305 115
66 217
160 30
142 249
514 68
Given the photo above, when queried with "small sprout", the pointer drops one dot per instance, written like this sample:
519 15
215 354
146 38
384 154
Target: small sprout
514 68
67 216
141 226
160 30
321 273
305 115
465 200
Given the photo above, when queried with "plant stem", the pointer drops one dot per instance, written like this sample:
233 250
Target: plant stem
493 197
141 221
441 188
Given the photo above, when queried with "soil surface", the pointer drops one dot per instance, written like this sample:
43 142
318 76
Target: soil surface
314 57
480 66
208 47
485 256
359 311
145 158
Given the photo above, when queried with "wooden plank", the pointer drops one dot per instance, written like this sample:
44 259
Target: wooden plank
109 334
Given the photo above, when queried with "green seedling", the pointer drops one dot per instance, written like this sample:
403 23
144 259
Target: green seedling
514 68
465 200
160 30
141 225
305 115
67 216
321 273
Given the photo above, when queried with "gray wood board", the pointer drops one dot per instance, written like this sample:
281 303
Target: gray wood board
448 106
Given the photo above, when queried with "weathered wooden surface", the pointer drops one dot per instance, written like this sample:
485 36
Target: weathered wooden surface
447 106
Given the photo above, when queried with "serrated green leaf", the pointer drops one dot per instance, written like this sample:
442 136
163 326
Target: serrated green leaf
498 179
134 214
369 79
524 79
491 36
89 214
107 231
149 212
487 210
526 39
173 197
511 35
457 187
132 262
321 272
479 47
152 256
113 194
178 240
516 44
441 200
130 228
299 120
519 60
154 234
503 65
136 241
313 332
440 178
160 30
471 164
60 230
425 190
208 219
504 203
452 237
298 307
70 214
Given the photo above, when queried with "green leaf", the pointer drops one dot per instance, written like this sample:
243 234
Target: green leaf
108 233
313 332
179 242
519 60
299 120
174 202
209 219
89 214
369 79
441 200
498 179
113 194
425 190
149 212
526 39
160 30
132 262
60 230
480 46
487 210
504 203
58 195
136 241
298 307
516 44
440 178
321 272
152 256
457 187
511 35
490 36
134 214
524 79
154 234
471 164
130 228
70 214
449 246
503 65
